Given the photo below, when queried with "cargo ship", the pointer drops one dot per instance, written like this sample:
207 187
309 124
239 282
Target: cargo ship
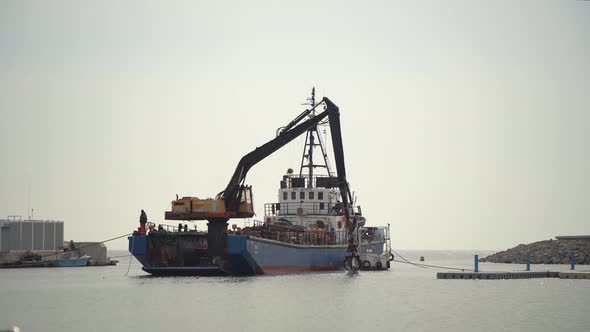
314 226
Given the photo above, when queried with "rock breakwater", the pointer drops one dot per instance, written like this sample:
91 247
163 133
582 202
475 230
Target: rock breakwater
557 251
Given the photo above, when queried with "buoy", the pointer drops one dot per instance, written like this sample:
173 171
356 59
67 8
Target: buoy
422 258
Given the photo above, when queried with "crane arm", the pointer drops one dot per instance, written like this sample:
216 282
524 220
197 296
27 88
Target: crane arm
232 192
352 261
337 146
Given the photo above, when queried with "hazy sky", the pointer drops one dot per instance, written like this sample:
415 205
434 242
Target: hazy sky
466 124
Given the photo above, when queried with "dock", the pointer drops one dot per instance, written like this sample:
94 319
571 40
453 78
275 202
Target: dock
513 275
575 275
496 275
528 274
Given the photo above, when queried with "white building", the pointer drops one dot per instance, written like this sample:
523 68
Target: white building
18 235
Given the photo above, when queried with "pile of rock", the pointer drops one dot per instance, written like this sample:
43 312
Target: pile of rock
557 251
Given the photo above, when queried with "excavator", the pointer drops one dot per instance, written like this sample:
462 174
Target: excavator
236 200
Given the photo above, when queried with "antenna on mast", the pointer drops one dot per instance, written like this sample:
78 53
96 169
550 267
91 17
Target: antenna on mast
29 202
310 140
311 102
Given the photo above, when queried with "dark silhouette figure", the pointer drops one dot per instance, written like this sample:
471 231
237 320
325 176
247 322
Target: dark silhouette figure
143 218
142 222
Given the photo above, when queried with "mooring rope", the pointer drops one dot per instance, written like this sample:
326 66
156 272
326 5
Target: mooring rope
120 256
407 261
434 266
130 258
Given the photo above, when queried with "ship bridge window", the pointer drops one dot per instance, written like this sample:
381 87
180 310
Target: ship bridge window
293 195
285 195
321 205
311 194
321 196
302 195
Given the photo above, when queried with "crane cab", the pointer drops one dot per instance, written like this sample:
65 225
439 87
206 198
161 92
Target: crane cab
194 208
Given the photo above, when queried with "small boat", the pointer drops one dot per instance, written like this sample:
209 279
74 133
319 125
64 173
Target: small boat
72 262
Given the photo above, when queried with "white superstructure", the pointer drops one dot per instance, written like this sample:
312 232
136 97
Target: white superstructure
307 206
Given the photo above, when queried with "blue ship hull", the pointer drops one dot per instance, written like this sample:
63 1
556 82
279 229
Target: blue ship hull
263 256
245 256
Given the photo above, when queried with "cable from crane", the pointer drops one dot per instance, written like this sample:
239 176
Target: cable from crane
352 262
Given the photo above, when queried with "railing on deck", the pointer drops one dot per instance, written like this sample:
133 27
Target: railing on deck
296 208
325 181
310 237
169 228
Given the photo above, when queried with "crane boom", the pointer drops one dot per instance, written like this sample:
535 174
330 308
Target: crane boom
352 261
232 192
235 200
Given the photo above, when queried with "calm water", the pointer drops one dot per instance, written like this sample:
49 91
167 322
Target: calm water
405 298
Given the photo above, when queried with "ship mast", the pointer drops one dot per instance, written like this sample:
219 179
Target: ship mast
310 145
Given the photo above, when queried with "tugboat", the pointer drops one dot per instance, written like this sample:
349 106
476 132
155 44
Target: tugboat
314 226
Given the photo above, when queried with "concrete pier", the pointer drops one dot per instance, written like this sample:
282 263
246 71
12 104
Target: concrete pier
96 250
496 275
574 275
513 275
475 274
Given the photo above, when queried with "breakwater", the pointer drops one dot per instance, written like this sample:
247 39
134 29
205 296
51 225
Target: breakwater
558 251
